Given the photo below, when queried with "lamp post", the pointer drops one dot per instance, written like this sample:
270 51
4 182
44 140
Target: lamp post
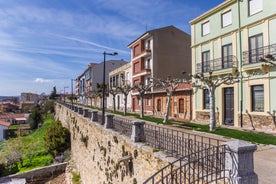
64 92
72 91
103 91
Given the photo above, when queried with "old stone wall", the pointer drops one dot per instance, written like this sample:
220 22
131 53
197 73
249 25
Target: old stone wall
104 156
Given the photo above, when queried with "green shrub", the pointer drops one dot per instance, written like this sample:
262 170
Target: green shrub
57 139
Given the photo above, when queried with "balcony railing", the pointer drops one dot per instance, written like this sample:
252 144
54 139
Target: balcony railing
254 55
217 64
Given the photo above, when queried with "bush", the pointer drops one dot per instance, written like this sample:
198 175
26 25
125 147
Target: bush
57 139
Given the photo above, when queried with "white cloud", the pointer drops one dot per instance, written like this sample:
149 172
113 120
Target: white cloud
41 80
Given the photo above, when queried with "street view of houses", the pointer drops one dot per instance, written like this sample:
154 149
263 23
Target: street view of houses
186 107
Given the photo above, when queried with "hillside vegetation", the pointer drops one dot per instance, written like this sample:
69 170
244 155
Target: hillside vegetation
25 153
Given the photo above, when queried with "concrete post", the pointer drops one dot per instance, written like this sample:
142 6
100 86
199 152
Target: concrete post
109 121
240 163
85 113
94 115
138 132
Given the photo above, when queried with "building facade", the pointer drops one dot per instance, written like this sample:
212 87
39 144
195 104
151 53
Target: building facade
237 36
117 78
86 83
157 54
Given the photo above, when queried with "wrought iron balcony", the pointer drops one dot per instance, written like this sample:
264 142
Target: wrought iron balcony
254 55
217 64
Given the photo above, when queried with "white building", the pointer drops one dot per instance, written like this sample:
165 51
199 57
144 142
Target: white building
3 126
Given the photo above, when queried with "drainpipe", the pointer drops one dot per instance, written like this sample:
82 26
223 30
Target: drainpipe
240 66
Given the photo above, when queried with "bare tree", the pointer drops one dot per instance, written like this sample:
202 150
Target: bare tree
125 88
113 91
169 85
211 83
142 89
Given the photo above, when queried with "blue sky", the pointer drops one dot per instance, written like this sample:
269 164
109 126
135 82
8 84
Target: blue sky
46 43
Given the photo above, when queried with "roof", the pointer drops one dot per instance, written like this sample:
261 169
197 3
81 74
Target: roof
6 124
152 31
11 116
20 119
211 11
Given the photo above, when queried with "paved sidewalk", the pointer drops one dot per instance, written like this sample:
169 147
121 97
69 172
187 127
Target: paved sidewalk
265 164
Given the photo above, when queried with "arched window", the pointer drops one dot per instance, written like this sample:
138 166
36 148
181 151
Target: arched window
181 105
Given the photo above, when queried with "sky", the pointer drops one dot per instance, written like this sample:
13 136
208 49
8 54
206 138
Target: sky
46 43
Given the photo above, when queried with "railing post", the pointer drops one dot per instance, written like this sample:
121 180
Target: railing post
94 115
109 121
76 109
138 132
240 163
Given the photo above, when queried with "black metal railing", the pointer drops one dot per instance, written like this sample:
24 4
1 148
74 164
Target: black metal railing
254 55
176 143
204 166
217 64
201 159
122 125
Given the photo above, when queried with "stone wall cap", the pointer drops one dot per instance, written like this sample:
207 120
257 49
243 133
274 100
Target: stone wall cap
137 122
240 146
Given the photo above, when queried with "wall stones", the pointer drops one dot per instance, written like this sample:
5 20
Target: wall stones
103 156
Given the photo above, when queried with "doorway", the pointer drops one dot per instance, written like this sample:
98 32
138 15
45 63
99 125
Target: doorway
229 106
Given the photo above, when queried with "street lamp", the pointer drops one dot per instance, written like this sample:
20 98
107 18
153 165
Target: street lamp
103 92
64 92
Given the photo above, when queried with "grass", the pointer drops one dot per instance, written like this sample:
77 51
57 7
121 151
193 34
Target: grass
254 137
76 178
32 147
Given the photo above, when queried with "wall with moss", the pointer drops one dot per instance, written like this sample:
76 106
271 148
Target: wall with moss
104 156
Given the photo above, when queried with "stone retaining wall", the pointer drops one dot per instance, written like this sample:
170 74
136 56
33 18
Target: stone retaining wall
104 156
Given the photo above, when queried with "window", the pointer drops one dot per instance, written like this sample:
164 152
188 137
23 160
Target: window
205 28
206 61
206 99
136 68
257 95
136 50
181 105
255 6
226 18
148 102
227 61
255 48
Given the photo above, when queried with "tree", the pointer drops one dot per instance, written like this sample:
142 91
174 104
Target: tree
57 139
211 83
142 89
48 106
36 118
53 94
113 92
125 88
169 85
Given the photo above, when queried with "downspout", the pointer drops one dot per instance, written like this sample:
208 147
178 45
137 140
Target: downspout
240 66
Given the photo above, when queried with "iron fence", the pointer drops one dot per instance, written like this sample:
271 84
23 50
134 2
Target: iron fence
122 125
205 166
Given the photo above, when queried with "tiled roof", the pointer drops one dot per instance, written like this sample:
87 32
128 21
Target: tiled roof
3 123
11 116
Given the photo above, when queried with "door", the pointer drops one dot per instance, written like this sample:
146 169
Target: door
229 106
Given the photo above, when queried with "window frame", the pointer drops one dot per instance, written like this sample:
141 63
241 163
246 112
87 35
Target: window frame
222 19
206 65
203 33
254 104
259 9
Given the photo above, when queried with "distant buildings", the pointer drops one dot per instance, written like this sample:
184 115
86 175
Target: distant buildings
28 101
3 126
237 36
86 83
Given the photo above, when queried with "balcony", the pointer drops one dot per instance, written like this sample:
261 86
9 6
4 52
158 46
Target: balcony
254 55
217 64
146 52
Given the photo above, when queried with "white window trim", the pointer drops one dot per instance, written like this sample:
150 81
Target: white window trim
226 18
254 6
